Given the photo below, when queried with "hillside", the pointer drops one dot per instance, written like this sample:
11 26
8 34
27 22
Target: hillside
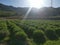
22 26
42 13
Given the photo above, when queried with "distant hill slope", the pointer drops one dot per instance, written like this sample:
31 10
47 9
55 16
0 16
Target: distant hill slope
46 12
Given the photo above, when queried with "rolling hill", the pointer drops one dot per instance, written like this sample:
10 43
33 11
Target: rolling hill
19 12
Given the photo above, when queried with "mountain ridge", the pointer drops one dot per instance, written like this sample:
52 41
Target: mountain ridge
34 13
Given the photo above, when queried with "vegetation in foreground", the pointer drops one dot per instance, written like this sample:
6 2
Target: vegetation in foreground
30 32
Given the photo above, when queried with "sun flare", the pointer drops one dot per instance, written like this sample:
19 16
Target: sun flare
36 3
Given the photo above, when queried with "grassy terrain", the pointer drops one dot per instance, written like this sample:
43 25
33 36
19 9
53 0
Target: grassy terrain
29 32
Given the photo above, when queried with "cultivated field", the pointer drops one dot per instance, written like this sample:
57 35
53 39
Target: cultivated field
29 32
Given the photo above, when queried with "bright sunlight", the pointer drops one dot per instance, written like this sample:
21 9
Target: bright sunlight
36 3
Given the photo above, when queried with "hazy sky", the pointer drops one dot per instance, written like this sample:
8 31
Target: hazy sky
25 3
